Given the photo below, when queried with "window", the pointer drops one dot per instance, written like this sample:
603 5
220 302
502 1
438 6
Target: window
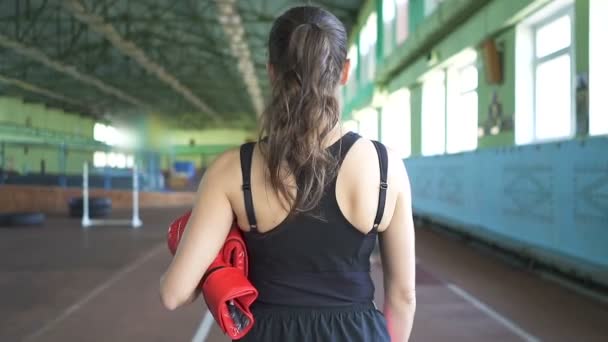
433 114
351 87
544 78
598 69
369 35
402 20
111 135
368 123
462 108
99 159
396 116
388 17
350 125
112 159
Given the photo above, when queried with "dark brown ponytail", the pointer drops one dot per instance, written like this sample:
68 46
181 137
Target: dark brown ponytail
307 53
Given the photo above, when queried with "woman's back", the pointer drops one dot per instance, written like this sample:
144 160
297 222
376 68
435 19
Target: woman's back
311 202
319 257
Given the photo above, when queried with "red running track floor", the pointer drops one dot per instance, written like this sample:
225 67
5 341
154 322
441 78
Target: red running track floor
61 283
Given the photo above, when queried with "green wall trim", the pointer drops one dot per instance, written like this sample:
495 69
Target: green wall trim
186 150
581 41
434 28
405 65
18 134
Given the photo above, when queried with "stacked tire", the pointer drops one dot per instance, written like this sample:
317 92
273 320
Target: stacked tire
21 219
98 207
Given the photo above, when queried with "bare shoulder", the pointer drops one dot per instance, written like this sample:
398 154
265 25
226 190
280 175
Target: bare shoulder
397 173
224 169
365 160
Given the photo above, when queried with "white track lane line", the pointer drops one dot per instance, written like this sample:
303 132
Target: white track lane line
95 292
204 328
513 327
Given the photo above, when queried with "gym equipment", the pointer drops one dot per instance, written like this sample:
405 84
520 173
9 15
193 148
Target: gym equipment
134 221
225 287
22 219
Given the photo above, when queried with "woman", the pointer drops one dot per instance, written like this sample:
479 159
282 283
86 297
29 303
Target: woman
309 204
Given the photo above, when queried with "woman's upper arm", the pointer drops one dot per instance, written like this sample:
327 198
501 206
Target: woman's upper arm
207 228
397 243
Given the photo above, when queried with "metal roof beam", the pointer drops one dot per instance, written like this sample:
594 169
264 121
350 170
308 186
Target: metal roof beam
39 90
97 24
70 70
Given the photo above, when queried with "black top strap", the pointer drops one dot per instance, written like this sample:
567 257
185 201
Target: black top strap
345 143
383 159
246 158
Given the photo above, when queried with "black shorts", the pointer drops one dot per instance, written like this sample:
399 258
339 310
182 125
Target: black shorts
354 323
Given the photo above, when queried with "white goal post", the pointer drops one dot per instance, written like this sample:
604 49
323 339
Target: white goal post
134 221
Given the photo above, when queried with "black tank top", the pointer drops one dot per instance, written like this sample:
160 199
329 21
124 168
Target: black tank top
307 261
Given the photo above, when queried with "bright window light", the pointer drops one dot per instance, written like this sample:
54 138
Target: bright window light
396 122
402 20
368 123
121 161
112 159
130 161
553 36
350 125
366 39
553 99
99 159
467 78
544 77
433 114
388 18
598 68
462 109
112 136
388 11
354 58
99 132
373 28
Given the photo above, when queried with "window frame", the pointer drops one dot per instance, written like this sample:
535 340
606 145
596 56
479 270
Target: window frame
453 74
538 61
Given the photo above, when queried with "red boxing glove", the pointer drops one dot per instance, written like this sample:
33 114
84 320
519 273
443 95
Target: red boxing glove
229 295
225 287
176 230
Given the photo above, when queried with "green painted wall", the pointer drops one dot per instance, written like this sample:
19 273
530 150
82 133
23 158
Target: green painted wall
207 144
505 91
581 22
27 157
416 110
496 19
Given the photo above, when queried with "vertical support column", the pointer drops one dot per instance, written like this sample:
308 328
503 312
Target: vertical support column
136 221
86 220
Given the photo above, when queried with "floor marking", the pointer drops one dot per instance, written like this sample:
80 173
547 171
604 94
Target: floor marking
98 290
204 328
517 330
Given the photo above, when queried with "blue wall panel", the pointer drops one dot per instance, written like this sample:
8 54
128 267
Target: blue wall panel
549 200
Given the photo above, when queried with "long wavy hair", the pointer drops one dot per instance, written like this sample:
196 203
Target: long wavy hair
307 52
